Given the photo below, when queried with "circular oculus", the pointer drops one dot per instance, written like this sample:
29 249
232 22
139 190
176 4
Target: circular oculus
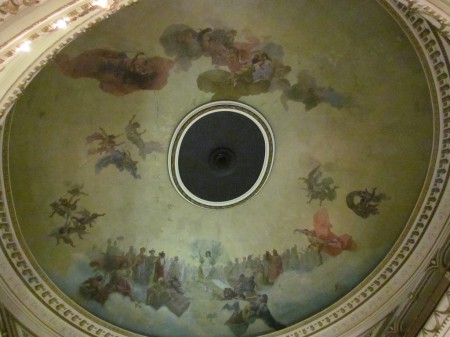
221 154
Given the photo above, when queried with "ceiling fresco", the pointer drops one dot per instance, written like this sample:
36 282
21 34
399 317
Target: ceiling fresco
347 101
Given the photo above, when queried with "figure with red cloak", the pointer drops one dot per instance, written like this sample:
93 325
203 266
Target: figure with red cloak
120 282
322 239
275 266
117 73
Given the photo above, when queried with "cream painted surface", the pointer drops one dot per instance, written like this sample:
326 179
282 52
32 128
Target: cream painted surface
381 139
163 233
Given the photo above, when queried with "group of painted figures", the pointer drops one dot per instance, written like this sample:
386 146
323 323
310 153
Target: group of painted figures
163 280
243 65
74 219
155 279
362 202
108 148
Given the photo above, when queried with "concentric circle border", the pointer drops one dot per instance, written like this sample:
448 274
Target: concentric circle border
201 112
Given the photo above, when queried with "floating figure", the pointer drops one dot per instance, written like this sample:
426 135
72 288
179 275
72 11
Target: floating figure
62 233
206 265
94 289
262 67
87 218
254 67
241 319
319 188
316 243
310 94
134 136
215 43
226 85
63 207
119 282
76 191
240 55
79 229
121 160
106 142
365 203
181 41
108 263
117 73
322 239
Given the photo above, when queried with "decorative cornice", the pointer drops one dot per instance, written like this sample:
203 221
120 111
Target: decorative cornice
12 7
439 321
61 18
422 302
10 325
377 329
436 13
79 16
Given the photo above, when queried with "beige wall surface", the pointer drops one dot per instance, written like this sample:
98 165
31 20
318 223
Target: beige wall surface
350 98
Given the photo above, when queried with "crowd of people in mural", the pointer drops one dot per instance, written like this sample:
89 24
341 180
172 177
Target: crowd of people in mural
146 266
168 280
157 279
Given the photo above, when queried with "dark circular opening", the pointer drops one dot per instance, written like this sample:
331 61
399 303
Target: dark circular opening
221 156
222 160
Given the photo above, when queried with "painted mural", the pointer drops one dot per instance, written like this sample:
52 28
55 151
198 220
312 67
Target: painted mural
349 106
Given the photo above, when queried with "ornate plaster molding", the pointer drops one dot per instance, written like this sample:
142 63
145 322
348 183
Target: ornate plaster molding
12 7
436 11
60 18
438 324
377 329
425 300
47 40
10 326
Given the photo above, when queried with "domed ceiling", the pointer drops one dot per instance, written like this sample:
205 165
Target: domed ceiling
89 154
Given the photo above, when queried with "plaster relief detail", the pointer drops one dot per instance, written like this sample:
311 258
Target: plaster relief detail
67 14
433 12
439 319
11 7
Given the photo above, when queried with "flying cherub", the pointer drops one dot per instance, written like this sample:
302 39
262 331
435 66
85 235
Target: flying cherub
135 137
76 190
62 233
86 218
106 142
